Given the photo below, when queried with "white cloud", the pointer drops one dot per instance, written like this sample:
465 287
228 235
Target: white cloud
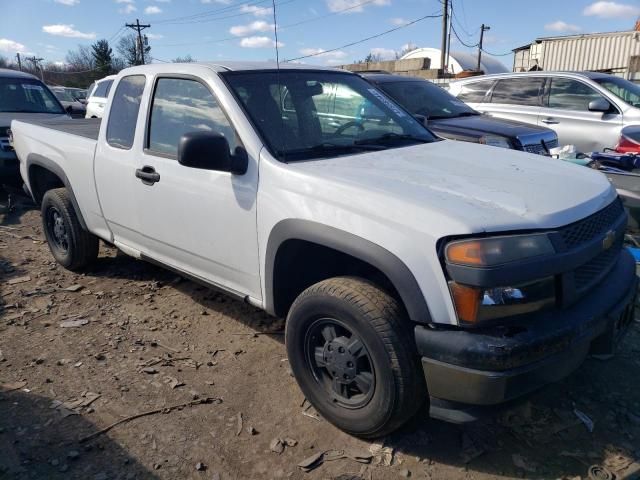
321 53
399 21
354 6
259 42
59 64
61 30
257 11
155 36
152 10
611 10
560 26
384 53
253 27
129 8
10 46
68 3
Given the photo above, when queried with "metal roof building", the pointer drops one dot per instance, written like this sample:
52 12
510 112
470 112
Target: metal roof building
457 61
614 52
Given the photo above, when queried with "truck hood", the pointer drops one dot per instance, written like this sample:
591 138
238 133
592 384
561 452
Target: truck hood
7 117
459 187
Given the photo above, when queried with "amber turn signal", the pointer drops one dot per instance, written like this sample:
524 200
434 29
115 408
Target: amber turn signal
466 300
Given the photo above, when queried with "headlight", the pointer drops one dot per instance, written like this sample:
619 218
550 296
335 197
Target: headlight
493 251
477 304
496 141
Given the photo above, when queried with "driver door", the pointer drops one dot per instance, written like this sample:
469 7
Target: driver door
199 221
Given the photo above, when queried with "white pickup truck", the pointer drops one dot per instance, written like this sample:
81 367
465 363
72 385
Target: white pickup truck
409 268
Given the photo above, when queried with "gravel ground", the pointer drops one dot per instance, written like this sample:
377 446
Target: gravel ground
80 353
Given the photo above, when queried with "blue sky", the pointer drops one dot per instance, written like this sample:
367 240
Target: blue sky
49 28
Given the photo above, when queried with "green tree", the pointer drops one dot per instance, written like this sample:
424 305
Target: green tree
103 56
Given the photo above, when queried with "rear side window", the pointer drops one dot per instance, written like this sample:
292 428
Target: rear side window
474 92
103 88
517 91
123 116
180 106
568 94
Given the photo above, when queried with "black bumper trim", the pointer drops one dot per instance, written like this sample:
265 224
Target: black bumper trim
503 363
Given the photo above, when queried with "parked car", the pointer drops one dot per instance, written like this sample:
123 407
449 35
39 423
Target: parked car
629 141
70 104
585 109
22 96
450 118
79 94
400 260
98 97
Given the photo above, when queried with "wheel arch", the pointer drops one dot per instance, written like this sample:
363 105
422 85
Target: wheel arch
296 233
44 174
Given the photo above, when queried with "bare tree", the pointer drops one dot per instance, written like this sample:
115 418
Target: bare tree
185 59
129 50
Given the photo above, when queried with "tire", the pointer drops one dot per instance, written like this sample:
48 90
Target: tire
73 247
371 388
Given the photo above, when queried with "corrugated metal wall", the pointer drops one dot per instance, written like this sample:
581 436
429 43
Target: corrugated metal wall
608 51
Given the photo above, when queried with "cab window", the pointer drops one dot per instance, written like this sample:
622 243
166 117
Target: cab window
180 106
123 116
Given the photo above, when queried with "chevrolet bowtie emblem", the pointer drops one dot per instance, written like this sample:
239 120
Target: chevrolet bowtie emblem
608 240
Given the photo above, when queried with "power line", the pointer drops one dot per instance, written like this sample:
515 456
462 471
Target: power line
281 28
460 40
196 18
366 39
496 54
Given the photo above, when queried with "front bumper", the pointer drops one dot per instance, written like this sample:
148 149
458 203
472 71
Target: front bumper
469 370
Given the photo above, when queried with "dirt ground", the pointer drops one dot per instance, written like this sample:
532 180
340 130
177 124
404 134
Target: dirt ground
81 352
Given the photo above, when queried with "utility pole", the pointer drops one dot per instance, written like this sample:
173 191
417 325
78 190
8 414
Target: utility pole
36 65
19 61
445 26
483 28
138 28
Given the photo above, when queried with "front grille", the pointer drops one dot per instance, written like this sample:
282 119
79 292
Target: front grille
588 228
538 148
591 272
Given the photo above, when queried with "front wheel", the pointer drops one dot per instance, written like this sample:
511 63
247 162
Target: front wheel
353 356
73 247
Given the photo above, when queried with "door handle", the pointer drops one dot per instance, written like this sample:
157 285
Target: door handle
148 175
550 121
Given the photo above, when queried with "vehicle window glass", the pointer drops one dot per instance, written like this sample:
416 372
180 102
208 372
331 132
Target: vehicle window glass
304 115
568 94
518 91
421 97
102 89
27 95
621 88
474 92
123 115
181 106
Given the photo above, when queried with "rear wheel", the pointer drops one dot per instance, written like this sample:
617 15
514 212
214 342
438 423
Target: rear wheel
73 247
353 356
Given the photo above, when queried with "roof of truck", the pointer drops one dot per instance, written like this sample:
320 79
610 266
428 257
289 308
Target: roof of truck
8 73
237 66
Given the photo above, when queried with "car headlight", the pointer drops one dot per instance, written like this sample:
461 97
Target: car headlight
476 304
493 251
496 141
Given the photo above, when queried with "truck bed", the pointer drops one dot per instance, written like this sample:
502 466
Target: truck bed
83 127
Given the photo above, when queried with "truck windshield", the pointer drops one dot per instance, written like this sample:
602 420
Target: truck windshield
25 95
313 114
424 98
621 88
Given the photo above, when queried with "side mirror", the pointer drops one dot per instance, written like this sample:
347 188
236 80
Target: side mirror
423 119
599 105
210 151
69 109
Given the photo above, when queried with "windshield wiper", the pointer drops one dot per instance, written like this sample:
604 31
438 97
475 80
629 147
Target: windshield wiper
468 114
329 148
382 139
